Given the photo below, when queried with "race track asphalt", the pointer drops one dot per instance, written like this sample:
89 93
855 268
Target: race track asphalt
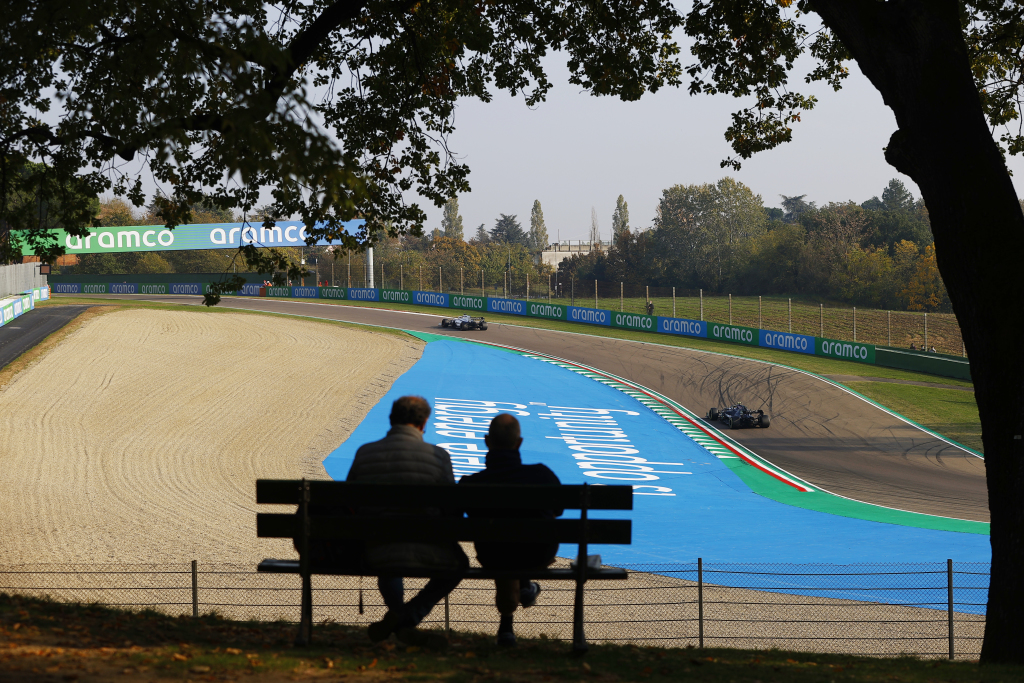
24 332
819 432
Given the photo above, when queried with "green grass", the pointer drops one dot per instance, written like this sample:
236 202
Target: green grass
949 412
72 641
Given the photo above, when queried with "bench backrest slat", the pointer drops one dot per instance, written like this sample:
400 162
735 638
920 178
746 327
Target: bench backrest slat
506 496
442 529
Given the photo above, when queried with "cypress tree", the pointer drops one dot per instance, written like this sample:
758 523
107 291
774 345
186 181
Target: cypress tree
538 231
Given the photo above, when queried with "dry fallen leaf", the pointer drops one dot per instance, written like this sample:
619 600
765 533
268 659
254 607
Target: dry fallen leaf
233 651
373 663
200 669
586 667
328 663
178 657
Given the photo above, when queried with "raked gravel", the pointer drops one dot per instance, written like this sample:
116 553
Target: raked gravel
139 438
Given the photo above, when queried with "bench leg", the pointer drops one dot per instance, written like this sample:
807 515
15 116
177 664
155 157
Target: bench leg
579 638
305 636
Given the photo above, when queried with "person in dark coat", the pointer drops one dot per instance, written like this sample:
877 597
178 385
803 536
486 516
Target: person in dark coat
403 457
504 465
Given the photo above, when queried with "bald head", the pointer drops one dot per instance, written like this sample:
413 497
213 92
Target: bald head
503 434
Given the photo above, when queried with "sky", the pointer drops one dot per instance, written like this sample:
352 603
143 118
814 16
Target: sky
576 151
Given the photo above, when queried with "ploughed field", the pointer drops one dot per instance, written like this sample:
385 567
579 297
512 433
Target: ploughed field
139 437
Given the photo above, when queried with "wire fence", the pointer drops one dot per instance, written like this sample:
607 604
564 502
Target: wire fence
925 331
926 610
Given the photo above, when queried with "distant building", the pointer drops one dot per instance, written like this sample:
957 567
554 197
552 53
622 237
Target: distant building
66 260
559 251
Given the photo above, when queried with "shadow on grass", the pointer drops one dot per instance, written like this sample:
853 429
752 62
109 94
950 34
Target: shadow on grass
45 640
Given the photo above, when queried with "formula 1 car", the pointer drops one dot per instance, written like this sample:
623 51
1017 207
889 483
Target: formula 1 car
464 322
739 416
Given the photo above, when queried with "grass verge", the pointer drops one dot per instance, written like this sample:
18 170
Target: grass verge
46 640
950 412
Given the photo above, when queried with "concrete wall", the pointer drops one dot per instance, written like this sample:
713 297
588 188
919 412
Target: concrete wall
19 277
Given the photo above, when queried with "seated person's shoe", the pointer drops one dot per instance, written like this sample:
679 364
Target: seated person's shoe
506 639
380 630
432 640
528 594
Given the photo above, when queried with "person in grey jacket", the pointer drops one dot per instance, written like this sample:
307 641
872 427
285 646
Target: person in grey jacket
403 457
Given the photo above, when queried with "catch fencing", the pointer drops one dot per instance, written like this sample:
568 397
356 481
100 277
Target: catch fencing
20 277
928 610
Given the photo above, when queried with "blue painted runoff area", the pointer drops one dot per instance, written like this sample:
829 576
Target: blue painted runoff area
687 503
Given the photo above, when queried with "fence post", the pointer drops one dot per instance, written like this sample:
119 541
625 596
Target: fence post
401 276
730 309
949 599
821 320
854 323
926 331
673 302
349 269
527 288
702 304
622 295
462 280
447 624
440 283
481 282
888 328
595 293
759 325
790 315
421 278
647 289
195 591
550 275
700 601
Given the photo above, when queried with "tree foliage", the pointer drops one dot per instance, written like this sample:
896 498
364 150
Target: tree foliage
508 230
451 221
620 219
340 108
538 230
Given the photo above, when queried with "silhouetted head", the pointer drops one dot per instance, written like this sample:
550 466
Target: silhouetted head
410 410
503 434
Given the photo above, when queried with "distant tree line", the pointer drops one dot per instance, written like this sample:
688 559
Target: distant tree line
721 238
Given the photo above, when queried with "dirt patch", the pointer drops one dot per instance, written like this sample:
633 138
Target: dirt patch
140 434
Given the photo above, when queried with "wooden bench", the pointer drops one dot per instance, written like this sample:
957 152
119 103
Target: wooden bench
327 495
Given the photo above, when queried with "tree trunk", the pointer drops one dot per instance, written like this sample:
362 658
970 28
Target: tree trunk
914 52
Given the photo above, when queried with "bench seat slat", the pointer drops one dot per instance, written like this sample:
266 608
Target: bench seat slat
513 496
272 566
443 529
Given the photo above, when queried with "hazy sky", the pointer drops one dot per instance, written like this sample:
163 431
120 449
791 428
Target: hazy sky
576 151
